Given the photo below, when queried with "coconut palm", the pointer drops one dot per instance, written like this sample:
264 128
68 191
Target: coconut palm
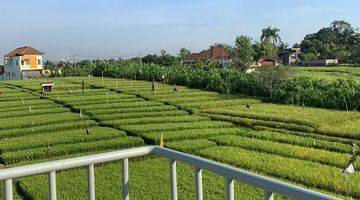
270 34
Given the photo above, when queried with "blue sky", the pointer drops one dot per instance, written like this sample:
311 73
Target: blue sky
124 28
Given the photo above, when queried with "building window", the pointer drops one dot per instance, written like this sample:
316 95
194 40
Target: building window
25 63
39 62
17 62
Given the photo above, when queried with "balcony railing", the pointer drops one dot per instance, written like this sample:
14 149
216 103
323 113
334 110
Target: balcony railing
268 185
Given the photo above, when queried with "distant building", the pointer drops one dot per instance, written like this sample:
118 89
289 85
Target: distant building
268 61
290 56
21 63
326 62
213 53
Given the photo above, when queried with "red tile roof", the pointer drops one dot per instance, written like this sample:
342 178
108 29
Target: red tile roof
24 51
214 52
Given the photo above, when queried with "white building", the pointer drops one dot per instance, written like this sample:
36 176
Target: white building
23 62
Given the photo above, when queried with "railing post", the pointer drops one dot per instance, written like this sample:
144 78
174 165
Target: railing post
268 195
91 182
229 189
125 179
52 185
173 182
198 184
8 189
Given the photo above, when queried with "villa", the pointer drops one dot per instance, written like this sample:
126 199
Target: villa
22 63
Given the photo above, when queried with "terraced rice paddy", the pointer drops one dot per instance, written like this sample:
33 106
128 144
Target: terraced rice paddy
272 140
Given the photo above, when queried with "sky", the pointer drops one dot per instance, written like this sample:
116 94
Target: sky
126 28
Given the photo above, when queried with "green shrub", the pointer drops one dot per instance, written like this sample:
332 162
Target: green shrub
155 120
68 149
189 146
147 128
37 120
50 139
285 150
47 128
306 173
137 115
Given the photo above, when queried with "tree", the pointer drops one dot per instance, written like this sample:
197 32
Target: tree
272 78
342 27
265 48
339 41
184 52
283 46
243 52
296 45
163 53
270 34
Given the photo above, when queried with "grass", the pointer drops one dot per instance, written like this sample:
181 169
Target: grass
277 139
146 173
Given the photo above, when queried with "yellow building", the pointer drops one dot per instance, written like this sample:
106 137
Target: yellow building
21 63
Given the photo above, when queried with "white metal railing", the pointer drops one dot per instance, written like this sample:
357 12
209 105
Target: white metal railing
270 186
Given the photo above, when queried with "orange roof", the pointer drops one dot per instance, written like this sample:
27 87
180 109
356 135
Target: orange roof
24 51
214 52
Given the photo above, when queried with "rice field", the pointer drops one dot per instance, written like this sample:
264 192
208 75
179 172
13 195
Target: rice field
268 139
329 73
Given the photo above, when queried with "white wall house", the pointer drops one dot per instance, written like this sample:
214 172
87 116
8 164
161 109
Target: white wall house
23 62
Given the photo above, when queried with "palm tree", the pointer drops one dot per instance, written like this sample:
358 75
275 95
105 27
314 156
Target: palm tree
270 34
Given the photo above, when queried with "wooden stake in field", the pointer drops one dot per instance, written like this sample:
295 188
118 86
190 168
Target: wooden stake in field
83 86
30 109
161 140
80 114
154 85
102 77
107 97
22 100
87 130
346 105
176 88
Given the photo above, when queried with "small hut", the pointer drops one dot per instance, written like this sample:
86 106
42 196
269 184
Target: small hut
47 87
268 61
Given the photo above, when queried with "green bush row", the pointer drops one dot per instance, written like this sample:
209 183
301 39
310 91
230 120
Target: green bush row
309 135
218 103
188 134
120 105
236 113
30 121
18 98
155 120
50 139
132 110
96 102
148 128
68 149
285 150
37 111
250 122
25 107
310 174
47 128
110 96
140 115
190 146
